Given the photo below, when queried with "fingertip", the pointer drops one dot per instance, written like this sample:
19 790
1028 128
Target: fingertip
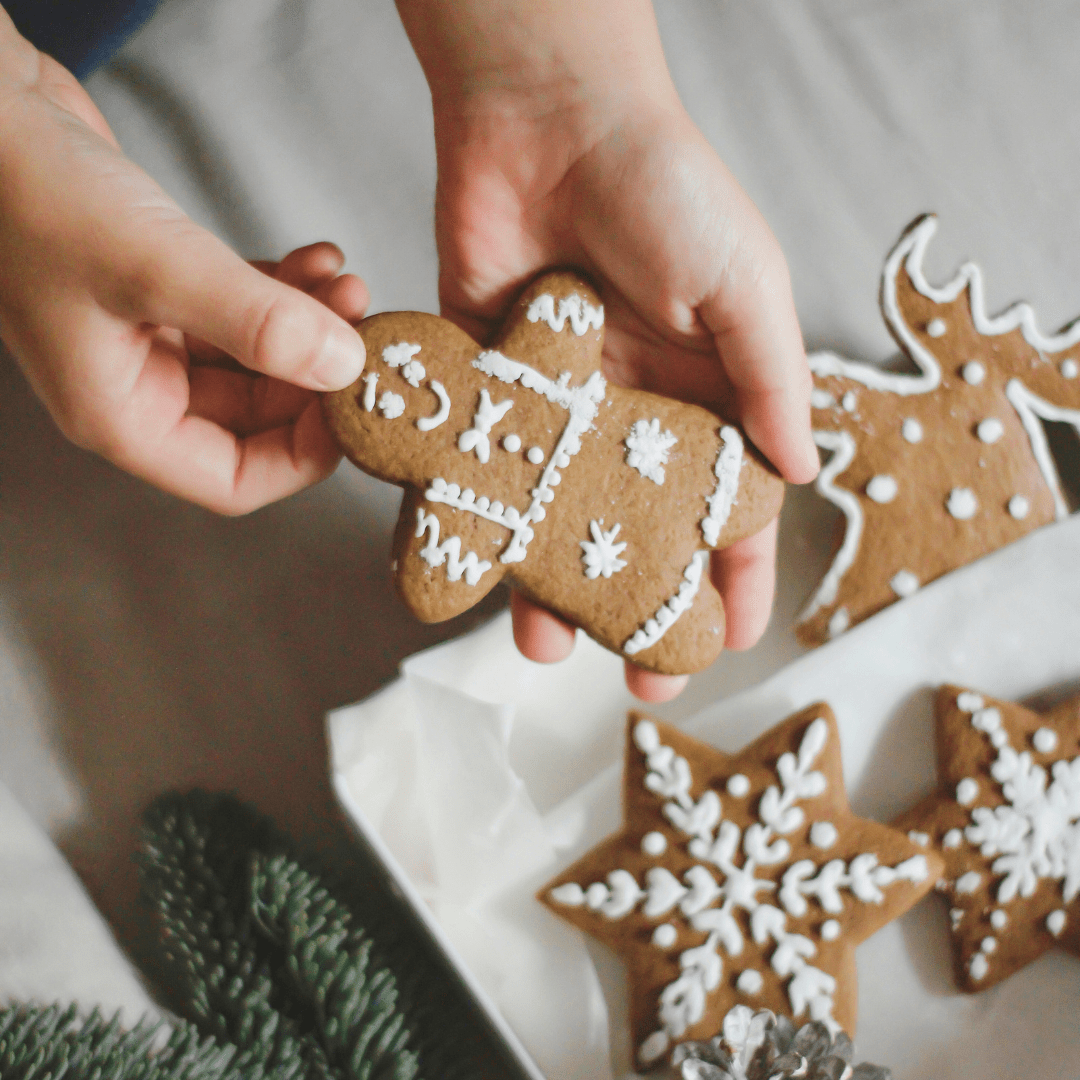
346 296
538 634
653 688
307 266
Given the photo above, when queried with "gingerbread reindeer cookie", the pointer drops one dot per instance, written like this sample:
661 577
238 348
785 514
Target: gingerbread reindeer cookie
520 460
936 469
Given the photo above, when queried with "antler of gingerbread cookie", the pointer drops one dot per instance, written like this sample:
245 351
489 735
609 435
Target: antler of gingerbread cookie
521 460
936 469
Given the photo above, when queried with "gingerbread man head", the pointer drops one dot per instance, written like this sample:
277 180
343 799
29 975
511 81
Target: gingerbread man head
521 460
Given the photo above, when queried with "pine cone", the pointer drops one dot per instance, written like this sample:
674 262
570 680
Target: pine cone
761 1046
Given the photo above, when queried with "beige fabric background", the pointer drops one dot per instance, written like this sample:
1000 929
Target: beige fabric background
145 644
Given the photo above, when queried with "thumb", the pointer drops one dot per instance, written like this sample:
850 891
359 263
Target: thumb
191 281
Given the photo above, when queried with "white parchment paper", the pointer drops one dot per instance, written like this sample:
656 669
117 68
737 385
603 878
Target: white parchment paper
482 774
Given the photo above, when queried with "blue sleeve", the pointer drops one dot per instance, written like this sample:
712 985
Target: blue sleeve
81 34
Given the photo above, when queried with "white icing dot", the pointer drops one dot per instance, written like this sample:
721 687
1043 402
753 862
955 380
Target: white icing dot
738 785
882 489
569 894
952 839
989 944
1045 740
664 936
646 737
1019 507
967 791
1069 368
911 429
920 838
990 430
904 583
973 373
848 401
511 443
998 919
823 834
535 455
830 930
839 622
998 738
391 405
1055 922
654 843
979 966
969 702
986 720
962 503
956 916
935 328
821 399
969 882
654 1046
749 982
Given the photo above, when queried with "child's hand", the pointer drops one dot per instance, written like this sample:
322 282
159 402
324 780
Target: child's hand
121 310
561 141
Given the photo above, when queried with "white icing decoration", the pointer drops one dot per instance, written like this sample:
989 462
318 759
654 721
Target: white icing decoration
839 622
920 838
601 554
882 489
849 401
962 504
1045 740
999 739
654 1047
535 455
979 966
952 839
738 786
429 423
664 936
647 449
729 463
391 405
999 919
973 373
823 834
511 443
935 328
1069 368
1055 922
904 583
400 354
842 447
668 612
911 430
718 886
968 702
967 791
449 552
581 402
654 843
821 399
570 895
1019 507
956 917
990 430
988 945
986 719
413 373
370 379
969 882
487 415
582 315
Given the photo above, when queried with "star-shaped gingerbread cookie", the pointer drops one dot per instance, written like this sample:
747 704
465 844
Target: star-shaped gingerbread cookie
738 879
936 468
1007 823
521 460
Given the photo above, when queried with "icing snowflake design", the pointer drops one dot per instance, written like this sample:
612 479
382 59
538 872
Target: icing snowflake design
722 896
1009 835
601 554
647 449
886 433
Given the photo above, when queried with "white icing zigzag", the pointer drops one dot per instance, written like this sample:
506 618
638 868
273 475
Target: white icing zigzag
581 313
449 552
668 612
729 463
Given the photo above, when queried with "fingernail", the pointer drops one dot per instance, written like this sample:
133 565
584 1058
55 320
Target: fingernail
341 361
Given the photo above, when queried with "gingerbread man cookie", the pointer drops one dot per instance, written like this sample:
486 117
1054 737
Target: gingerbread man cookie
739 879
936 469
521 460
1007 823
